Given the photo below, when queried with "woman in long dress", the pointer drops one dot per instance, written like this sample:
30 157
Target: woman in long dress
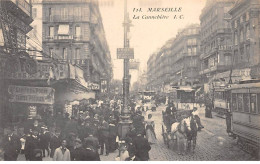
150 134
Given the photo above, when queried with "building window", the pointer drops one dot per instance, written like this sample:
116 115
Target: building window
51 52
241 36
246 100
253 102
34 13
51 14
77 53
64 13
51 32
236 38
2 41
240 102
77 31
247 35
64 53
63 30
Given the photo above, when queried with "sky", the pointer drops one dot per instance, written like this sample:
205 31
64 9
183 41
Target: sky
146 35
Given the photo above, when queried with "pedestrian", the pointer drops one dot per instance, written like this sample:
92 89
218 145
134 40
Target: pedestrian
45 138
78 152
54 142
93 141
150 134
112 137
104 136
32 150
142 147
12 145
89 153
132 155
62 153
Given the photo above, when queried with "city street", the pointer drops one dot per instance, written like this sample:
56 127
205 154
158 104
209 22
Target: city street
212 143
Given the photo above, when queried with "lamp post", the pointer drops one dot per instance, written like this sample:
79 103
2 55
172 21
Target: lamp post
126 53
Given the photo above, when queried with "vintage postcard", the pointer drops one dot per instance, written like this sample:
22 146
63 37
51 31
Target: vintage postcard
129 80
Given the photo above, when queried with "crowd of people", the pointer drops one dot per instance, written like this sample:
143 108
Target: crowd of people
82 137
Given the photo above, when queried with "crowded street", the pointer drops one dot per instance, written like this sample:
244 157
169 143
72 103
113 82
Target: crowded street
129 80
213 143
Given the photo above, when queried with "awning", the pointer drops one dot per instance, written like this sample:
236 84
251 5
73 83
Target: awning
64 30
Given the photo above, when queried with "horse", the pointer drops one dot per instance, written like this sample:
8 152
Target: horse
190 130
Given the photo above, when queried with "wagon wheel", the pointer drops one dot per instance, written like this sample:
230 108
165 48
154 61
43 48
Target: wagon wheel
163 134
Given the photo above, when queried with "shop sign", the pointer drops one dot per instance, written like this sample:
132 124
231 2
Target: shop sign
125 53
93 86
24 94
44 71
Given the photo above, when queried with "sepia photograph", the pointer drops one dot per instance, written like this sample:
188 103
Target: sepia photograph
130 80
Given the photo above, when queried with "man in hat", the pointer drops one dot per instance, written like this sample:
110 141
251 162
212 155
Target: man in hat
89 153
12 145
32 148
142 147
93 142
78 153
62 153
55 142
104 135
45 138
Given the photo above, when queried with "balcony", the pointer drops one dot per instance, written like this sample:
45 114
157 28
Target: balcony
78 61
24 10
65 18
215 68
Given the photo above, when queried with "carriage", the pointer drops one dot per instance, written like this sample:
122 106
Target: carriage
183 100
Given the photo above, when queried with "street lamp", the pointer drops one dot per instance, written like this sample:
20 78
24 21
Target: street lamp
125 121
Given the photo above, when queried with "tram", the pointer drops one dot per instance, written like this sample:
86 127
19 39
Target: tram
220 102
184 98
245 115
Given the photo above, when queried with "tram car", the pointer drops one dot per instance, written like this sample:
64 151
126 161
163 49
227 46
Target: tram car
245 115
220 102
184 98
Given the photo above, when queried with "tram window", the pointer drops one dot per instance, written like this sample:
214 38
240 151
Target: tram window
246 102
258 102
240 102
234 102
253 103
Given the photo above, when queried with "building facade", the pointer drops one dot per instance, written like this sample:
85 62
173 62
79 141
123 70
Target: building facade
216 39
34 37
245 23
177 62
15 19
73 32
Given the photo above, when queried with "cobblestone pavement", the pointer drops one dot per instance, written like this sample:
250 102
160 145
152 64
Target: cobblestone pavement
213 143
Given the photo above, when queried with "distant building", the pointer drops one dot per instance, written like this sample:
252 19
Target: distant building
177 62
216 38
73 32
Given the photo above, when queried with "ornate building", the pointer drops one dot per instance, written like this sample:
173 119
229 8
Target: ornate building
216 38
73 32
245 23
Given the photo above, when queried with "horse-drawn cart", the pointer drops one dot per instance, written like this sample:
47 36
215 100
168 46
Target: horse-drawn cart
169 120
179 131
